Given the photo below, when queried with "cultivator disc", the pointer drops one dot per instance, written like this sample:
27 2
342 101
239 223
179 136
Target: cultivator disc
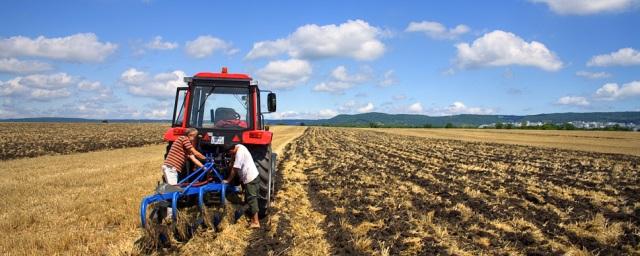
214 214
197 202
157 232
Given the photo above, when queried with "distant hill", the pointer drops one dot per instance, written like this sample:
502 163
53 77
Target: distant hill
400 119
80 120
464 119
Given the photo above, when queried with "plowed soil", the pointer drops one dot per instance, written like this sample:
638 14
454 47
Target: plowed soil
617 142
348 191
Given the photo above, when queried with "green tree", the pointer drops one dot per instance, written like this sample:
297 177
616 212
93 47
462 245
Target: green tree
549 126
449 125
427 126
499 125
568 126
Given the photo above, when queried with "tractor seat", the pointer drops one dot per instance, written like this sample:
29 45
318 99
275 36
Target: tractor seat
225 114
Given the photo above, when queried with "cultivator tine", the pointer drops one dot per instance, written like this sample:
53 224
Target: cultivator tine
174 206
143 213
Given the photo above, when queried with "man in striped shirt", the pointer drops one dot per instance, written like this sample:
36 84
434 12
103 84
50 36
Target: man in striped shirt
181 150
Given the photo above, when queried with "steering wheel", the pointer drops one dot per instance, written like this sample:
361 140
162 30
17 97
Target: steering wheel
236 116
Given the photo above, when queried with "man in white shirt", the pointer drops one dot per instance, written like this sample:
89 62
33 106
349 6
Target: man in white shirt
244 166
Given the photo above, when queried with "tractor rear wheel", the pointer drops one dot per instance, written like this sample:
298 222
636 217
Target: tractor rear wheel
265 161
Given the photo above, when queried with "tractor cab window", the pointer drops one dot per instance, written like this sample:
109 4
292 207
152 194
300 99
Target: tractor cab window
220 107
178 108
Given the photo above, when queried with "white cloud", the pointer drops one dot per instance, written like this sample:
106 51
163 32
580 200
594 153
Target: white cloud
52 81
436 30
584 7
449 72
87 85
38 87
573 101
160 86
612 91
353 39
399 97
133 76
47 87
460 108
83 109
335 87
126 111
290 114
327 113
158 114
13 65
340 73
283 74
11 87
158 44
103 95
96 92
341 80
415 108
83 47
500 48
352 106
348 106
6 113
622 57
593 75
46 94
388 78
367 108
204 46
268 49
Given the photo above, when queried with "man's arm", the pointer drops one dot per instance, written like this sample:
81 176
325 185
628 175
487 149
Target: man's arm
195 160
195 152
231 175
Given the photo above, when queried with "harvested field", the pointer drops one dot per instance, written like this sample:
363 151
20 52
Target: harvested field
347 191
36 139
595 141
377 193
87 203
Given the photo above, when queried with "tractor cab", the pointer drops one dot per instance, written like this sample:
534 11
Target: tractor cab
224 107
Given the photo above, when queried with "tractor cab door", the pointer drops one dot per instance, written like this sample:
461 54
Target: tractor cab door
178 107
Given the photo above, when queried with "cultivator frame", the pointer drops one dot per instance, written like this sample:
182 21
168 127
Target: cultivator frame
189 188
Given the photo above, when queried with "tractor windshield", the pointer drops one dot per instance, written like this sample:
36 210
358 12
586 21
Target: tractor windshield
219 107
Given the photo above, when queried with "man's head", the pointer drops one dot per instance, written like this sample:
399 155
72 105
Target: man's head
191 133
230 148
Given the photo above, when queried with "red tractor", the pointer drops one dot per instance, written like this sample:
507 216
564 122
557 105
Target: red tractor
225 108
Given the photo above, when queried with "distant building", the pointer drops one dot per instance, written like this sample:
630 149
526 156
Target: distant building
578 124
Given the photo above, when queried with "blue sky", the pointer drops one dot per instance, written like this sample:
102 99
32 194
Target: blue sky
123 59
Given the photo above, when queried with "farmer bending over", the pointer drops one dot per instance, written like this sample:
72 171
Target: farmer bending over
244 166
181 149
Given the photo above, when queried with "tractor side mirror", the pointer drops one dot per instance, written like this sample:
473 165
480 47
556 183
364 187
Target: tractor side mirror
271 102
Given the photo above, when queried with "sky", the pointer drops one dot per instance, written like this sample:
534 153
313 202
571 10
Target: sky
124 59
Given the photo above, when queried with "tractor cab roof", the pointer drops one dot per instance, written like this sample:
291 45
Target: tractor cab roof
223 75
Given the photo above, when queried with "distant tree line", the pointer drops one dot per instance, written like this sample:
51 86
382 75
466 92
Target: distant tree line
546 126
564 126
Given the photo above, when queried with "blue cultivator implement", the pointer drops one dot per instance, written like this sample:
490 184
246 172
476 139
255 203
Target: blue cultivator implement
203 187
